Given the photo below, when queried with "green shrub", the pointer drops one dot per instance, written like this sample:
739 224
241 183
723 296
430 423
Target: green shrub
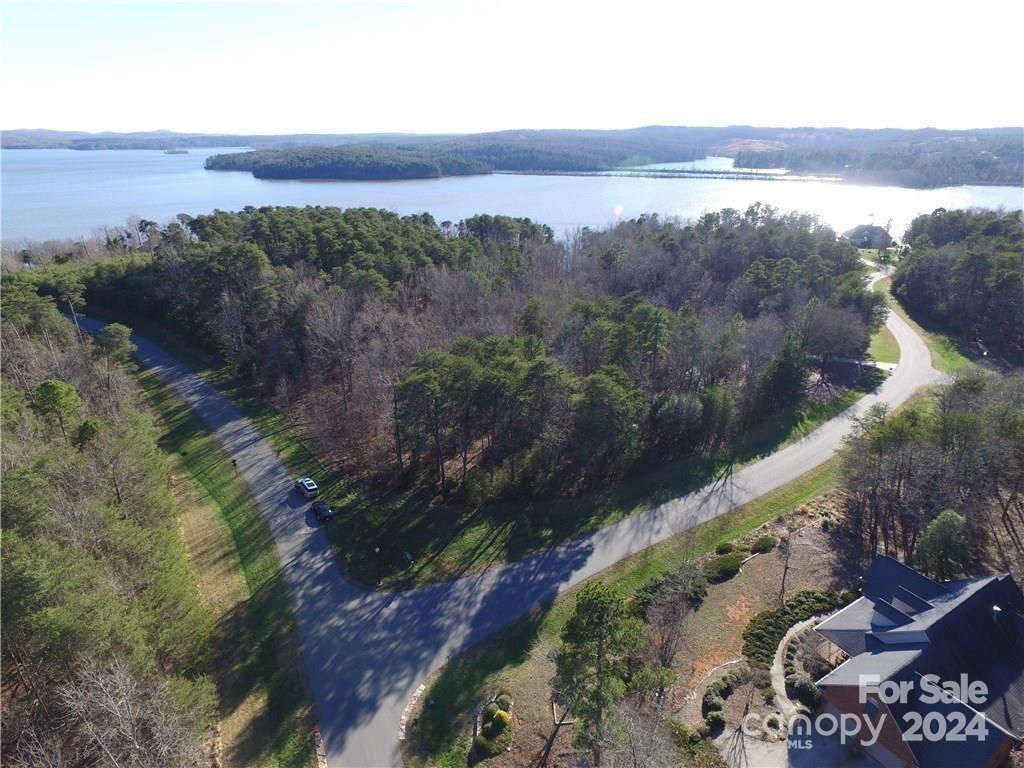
502 719
724 548
489 712
720 687
715 720
504 702
683 736
764 544
722 568
765 631
712 701
848 596
484 746
806 692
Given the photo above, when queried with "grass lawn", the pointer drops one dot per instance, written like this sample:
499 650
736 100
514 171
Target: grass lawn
948 355
265 710
524 647
883 348
874 256
445 540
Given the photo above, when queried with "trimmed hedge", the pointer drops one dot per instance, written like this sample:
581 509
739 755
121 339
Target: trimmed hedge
765 631
722 568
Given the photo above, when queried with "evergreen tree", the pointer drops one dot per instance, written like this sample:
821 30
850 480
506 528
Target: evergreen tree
591 663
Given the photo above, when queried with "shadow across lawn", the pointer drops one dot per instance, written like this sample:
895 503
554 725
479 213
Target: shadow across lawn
457 687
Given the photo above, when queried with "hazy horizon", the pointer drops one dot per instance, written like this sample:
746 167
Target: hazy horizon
451 66
118 132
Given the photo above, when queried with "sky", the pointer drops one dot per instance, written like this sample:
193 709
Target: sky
269 66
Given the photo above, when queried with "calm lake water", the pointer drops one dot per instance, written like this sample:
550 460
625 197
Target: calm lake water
53 193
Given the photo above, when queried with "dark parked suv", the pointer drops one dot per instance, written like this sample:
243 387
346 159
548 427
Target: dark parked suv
323 511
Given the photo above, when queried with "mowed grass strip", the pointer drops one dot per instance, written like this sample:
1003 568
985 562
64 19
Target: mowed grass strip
884 348
265 705
467 678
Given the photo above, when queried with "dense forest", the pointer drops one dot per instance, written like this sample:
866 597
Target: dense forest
958 462
104 636
482 357
965 270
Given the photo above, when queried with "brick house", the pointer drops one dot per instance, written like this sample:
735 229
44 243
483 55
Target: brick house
905 629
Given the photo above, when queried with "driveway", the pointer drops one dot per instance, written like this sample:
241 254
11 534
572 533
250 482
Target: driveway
367 652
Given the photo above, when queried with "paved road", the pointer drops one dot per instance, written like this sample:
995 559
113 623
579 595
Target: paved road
367 652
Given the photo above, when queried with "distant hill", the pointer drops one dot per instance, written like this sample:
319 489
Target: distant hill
919 158
41 138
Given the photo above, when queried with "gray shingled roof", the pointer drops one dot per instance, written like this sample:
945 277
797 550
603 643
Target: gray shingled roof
907 625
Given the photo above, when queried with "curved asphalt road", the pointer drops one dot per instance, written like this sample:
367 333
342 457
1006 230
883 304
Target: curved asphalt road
367 652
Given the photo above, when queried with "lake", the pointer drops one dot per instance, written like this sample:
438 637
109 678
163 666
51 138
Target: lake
57 193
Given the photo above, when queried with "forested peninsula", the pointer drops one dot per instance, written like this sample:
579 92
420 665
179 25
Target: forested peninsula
522 151
364 162
925 158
